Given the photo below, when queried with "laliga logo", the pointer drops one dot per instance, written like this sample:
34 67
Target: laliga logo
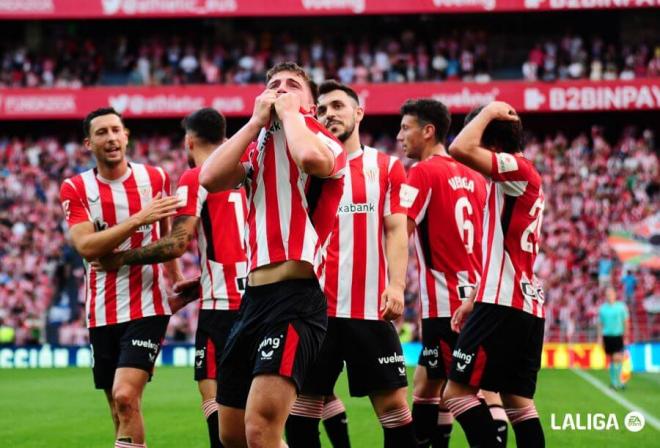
634 422
533 99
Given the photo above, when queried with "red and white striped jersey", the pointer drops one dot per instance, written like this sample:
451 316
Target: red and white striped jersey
446 201
132 292
290 213
355 266
512 224
220 236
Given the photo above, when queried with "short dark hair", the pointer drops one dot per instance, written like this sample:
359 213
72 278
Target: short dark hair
504 135
207 124
430 111
87 122
289 66
332 84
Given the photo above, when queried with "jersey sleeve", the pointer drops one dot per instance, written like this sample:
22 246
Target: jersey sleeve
396 179
514 172
75 211
191 194
626 315
416 193
331 142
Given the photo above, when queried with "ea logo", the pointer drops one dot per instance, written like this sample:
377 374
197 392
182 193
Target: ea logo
634 421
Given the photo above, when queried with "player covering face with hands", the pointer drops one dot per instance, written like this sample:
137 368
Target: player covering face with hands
292 169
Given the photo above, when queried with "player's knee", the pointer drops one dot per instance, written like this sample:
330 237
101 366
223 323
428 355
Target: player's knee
256 427
125 400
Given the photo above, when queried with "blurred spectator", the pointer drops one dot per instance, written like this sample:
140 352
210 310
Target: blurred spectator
157 59
574 57
629 282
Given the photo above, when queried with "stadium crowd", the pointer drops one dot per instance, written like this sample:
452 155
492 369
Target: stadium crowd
404 56
579 57
591 185
166 60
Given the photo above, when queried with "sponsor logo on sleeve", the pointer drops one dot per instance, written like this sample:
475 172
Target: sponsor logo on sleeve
506 163
408 194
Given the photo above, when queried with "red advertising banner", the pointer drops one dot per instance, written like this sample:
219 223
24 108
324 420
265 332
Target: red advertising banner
378 99
61 9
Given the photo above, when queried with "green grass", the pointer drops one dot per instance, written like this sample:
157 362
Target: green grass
60 408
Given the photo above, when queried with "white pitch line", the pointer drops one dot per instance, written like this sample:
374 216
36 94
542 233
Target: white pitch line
618 398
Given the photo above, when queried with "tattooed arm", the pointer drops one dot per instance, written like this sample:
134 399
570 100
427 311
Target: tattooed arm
171 267
168 248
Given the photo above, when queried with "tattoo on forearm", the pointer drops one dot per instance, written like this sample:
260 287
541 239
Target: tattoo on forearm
165 249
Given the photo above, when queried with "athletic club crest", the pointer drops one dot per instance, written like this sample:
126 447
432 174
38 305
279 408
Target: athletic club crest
145 191
371 174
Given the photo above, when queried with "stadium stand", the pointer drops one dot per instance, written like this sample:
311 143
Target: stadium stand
402 49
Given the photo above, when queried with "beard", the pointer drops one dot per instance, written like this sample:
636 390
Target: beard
348 131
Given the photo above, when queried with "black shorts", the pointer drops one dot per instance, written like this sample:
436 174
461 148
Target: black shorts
613 344
499 349
372 352
279 330
213 328
438 341
129 344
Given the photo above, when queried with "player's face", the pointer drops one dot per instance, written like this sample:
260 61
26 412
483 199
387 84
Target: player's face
107 139
410 137
290 82
188 142
339 113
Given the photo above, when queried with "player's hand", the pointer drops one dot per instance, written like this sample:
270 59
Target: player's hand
287 103
186 286
263 106
499 110
460 315
391 300
110 262
158 209
186 291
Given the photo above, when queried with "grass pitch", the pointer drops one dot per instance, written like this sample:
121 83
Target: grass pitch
60 408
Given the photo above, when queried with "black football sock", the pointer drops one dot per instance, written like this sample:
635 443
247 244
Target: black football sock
475 419
337 429
443 429
303 432
425 420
